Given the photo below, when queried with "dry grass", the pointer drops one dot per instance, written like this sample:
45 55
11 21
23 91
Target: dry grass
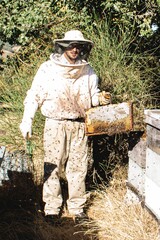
114 219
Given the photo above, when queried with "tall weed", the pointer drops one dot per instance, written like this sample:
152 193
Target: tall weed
127 75
15 80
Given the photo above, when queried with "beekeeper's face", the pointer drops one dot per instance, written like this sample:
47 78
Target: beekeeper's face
72 52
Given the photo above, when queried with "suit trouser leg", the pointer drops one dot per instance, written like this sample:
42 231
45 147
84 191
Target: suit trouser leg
76 170
54 150
65 143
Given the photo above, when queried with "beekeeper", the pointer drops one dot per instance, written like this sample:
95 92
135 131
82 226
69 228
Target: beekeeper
64 87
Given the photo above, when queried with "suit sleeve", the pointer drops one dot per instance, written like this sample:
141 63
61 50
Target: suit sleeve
94 90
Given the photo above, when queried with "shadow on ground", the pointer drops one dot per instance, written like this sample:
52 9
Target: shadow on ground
21 211
108 152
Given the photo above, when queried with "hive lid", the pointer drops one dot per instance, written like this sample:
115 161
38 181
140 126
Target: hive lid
152 117
155 113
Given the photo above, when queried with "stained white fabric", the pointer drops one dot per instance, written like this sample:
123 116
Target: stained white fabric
63 91
66 147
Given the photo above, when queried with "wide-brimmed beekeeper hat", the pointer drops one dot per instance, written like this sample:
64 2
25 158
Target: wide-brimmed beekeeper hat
73 36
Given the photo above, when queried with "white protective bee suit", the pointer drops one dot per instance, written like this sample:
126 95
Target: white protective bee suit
64 92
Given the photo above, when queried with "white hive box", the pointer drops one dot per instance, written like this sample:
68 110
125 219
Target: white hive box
137 168
109 119
152 179
152 118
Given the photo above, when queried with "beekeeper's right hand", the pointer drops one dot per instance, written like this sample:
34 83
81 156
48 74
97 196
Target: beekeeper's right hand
30 108
26 128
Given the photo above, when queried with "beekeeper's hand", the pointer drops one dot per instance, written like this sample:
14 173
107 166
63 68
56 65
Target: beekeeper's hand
104 98
26 128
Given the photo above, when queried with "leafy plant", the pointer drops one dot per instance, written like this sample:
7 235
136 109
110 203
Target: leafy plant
20 21
125 15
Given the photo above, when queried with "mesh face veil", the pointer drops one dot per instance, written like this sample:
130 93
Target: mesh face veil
71 38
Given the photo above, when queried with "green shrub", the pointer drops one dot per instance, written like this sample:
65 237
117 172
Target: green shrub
21 21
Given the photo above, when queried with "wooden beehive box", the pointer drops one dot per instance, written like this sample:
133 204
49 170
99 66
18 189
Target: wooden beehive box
109 119
152 178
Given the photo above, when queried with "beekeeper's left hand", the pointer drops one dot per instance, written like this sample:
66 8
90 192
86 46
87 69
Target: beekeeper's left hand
104 98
